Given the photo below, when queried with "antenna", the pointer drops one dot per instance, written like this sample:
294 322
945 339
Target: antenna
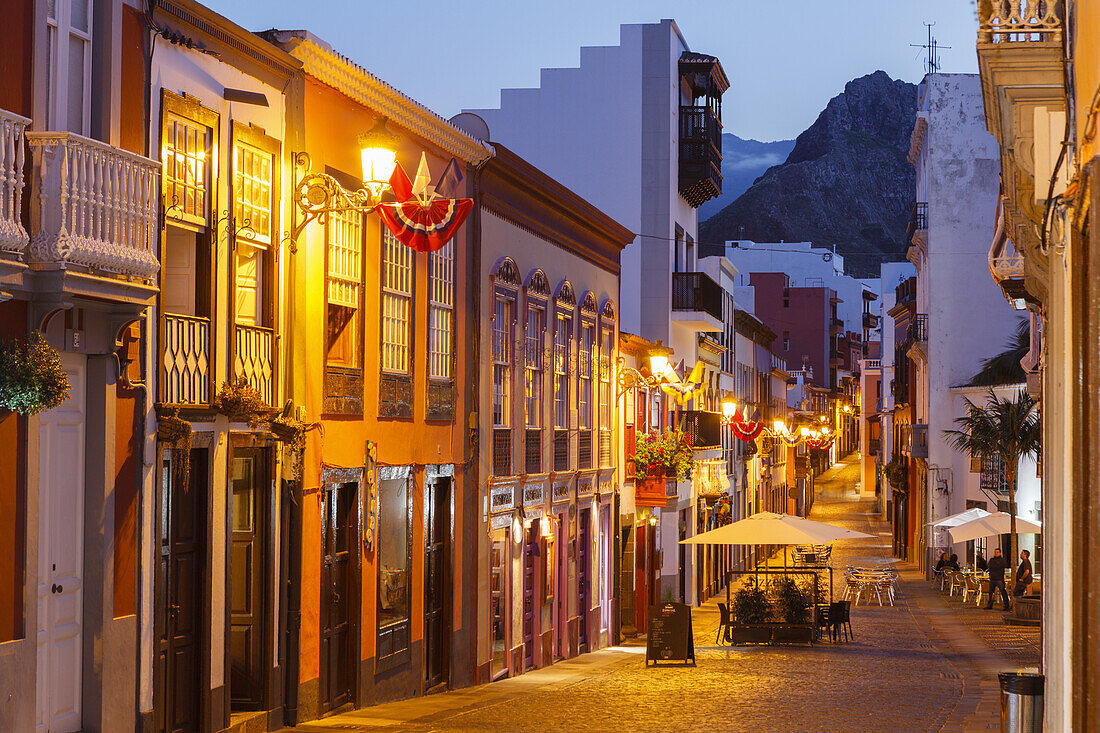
931 48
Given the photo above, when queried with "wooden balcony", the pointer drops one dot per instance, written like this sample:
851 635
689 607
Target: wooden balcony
13 237
700 154
254 359
93 206
696 301
185 360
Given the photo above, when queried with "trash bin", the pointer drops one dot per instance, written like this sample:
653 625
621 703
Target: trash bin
1021 702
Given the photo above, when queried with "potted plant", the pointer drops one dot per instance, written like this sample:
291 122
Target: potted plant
31 376
751 612
241 402
656 458
793 608
895 472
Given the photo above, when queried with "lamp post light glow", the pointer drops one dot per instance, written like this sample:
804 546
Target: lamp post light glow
658 364
729 408
379 157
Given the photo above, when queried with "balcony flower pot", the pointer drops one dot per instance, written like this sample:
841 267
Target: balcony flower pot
176 432
31 376
649 490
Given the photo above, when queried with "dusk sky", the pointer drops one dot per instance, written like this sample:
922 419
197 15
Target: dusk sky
784 58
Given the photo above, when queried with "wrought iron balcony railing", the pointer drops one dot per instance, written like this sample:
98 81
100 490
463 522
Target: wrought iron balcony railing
702 428
696 291
918 329
918 221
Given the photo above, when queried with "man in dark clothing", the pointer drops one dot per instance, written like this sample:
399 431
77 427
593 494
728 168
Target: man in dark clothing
980 563
997 566
1023 574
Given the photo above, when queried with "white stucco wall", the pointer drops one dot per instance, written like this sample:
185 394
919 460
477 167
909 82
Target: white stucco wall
968 318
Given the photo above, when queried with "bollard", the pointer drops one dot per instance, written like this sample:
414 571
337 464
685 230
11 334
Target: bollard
1021 702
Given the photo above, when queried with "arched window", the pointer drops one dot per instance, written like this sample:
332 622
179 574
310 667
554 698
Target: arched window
537 300
586 360
565 304
505 288
607 356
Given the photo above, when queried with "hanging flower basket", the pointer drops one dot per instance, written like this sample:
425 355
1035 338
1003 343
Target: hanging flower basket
176 432
292 432
31 376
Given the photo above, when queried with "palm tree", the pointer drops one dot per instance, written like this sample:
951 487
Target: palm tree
1005 428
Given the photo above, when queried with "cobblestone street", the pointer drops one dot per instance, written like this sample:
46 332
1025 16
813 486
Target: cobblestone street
923 664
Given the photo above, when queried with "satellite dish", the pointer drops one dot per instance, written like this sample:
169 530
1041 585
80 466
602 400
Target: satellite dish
827 257
472 125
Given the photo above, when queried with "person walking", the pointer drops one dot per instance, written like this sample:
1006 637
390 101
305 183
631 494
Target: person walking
1023 574
997 567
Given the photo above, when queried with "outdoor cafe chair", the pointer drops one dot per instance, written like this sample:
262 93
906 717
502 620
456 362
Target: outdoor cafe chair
840 617
723 624
970 586
983 590
823 619
956 582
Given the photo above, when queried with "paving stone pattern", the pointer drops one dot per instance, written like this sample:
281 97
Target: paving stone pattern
924 664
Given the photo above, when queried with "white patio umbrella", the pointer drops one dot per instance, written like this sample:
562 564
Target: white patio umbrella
769 528
994 524
961 518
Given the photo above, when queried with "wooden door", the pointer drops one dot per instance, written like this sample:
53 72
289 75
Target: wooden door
529 608
583 560
60 638
437 521
561 591
179 594
339 540
248 476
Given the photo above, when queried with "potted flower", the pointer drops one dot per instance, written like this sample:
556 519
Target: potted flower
658 457
751 611
241 402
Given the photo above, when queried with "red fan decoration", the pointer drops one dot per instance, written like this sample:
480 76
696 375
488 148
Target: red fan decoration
425 228
746 430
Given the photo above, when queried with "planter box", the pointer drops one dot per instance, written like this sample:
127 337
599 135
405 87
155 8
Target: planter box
791 634
745 634
650 491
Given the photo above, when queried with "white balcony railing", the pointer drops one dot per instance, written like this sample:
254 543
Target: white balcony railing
95 206
13 237
185 361
255 359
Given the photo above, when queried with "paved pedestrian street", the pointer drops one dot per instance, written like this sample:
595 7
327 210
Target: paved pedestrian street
924 664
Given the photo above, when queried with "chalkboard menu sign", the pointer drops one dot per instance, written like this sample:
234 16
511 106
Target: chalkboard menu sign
669 638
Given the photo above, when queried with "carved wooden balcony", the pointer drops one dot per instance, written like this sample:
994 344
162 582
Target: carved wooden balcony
13 237
700 154
185 360
254 359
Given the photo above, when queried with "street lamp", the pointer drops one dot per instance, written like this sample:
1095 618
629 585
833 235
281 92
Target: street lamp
657 375
318 194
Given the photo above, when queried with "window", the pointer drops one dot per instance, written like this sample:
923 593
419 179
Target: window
397 263
584 376
503 309
536 324
441 319
606 336
252 192
394 589
186 169
69 54
562 334
344 248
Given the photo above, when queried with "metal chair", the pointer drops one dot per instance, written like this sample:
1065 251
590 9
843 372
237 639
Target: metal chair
840 616
970 586
723 624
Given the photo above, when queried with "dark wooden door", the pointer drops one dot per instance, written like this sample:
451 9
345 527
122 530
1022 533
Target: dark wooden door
339 539
529 598
179 607
582 575
247 523
437 521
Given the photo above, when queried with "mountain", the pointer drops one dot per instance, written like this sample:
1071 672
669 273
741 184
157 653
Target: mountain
847 182
742 163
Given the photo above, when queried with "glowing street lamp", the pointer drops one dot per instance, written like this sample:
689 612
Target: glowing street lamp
379 157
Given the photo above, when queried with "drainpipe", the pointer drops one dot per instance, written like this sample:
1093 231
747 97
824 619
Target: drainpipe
293 509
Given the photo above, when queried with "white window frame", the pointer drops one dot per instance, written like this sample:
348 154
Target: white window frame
398 266
59 26
533 364
586 348
253 216
190 160
441 312
563 337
